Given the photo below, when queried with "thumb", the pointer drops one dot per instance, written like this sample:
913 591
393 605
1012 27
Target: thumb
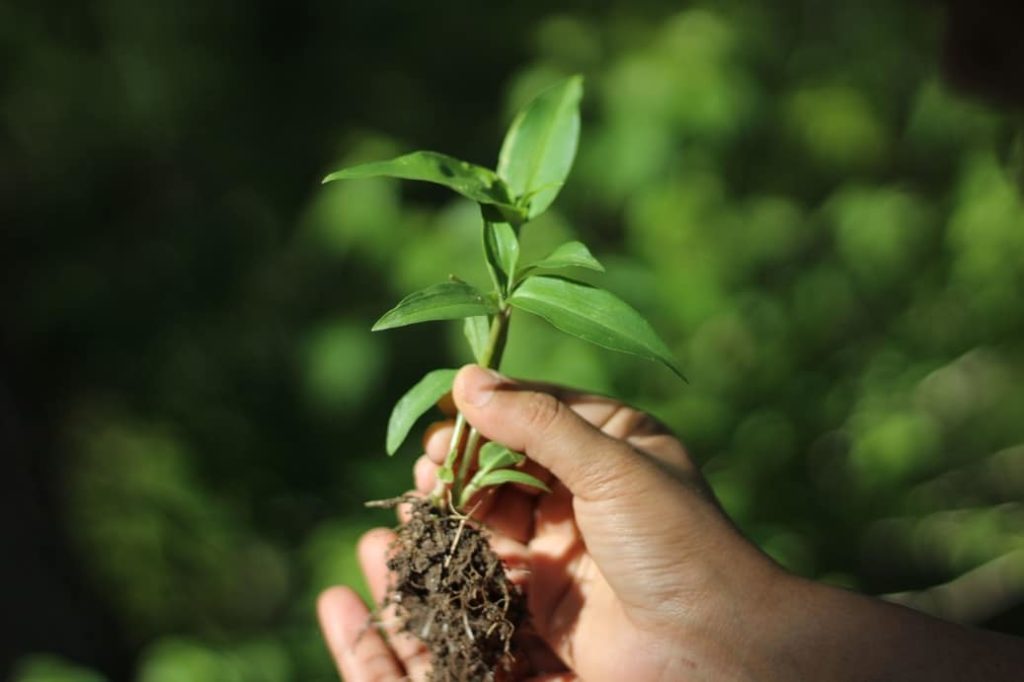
591 464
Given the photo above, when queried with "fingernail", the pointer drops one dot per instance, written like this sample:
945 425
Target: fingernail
480 386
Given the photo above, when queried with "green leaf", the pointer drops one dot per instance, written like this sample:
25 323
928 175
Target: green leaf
477 330
502 250
497 456
503 213
474 182
445 301
539 147
568 255
496 462
592 314
415 402
499 476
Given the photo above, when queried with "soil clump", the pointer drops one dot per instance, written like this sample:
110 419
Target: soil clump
450 590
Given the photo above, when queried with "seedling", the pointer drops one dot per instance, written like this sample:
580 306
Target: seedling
468 610
534 162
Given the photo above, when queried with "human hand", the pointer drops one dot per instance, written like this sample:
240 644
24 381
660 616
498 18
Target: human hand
629 567
631 570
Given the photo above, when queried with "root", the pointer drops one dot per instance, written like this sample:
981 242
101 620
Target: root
450 591
455 542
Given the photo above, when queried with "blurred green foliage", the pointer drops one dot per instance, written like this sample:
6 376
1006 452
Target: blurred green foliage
831 241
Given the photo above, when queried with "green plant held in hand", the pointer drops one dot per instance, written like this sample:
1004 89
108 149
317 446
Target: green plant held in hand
534 162
448 586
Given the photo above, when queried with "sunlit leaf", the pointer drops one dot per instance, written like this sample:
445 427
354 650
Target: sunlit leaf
477 330
445 301
474 182
497 456
592 314
569 255
499 476
415 402
540 145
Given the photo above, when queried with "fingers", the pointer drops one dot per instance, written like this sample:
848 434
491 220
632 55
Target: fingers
373 553
358 650
437 440
424 474
592 464
610 416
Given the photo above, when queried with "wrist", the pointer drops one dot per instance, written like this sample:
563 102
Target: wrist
742 637
802 632
821 632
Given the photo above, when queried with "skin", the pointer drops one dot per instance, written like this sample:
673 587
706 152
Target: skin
632 571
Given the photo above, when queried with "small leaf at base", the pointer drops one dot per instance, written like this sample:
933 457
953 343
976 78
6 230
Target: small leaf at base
499 476
497 456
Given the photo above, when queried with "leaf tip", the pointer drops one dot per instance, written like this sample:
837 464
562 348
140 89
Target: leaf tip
678 372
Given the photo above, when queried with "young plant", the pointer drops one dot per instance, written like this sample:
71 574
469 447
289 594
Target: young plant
533 164
448 586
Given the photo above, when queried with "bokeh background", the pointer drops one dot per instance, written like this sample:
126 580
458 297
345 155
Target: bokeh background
818 204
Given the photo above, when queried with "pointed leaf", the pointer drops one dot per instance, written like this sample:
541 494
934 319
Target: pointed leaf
415 402
568 255
497 456
593 315
477 330
502 250
499 476
539 147
474 182
445 301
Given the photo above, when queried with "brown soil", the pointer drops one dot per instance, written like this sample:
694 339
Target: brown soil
450 590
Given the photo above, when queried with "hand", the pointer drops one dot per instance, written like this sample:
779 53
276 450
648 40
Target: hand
632 572
626 559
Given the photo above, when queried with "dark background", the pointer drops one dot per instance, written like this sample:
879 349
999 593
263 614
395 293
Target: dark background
818 205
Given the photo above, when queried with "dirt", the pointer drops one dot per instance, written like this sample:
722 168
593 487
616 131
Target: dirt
451 591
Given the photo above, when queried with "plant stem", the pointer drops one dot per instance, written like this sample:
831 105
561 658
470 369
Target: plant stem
462 447
467 458
496 341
